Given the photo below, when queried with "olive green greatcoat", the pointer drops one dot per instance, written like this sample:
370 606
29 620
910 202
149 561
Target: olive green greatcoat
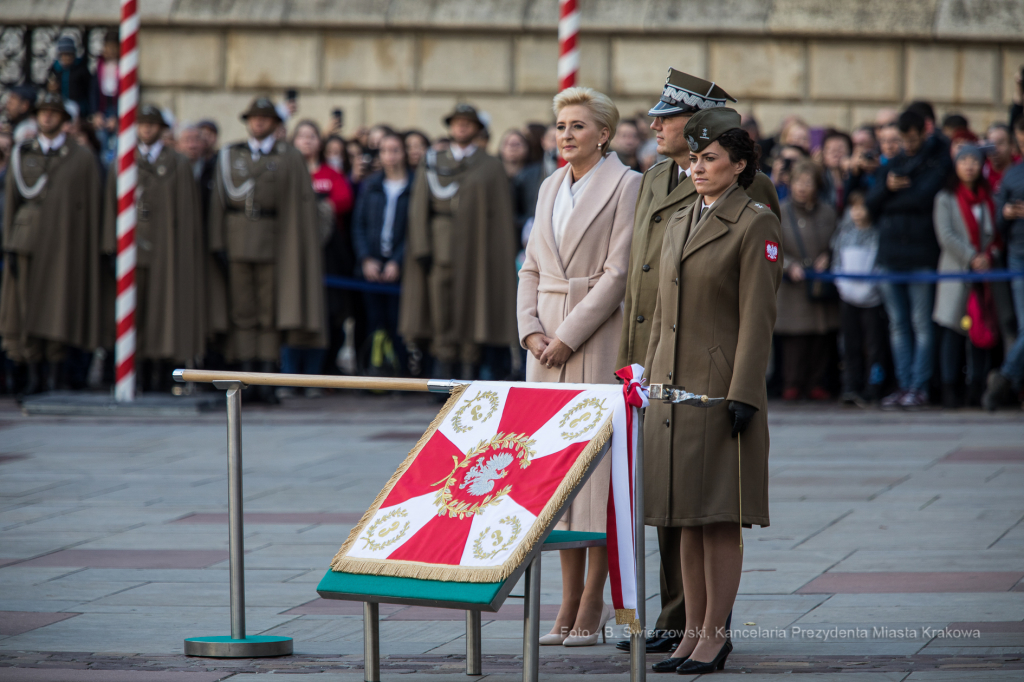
711 333
469 242
171 257
52 292
288 238
661 195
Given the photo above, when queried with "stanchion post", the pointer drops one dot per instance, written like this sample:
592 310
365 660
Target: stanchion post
236 541
638 640
371 641
531 622
474 662
237 645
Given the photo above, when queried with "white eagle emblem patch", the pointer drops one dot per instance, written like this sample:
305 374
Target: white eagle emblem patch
771 251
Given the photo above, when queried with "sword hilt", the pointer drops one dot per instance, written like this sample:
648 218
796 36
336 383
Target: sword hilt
679 395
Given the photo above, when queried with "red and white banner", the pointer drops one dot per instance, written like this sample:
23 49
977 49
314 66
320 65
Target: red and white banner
491 474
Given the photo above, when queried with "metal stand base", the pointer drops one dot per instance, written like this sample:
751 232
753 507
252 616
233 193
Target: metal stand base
250 647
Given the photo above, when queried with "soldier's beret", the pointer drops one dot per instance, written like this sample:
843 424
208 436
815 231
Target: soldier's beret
707 125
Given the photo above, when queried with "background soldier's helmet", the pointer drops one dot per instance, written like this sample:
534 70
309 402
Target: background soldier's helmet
53 102
150 114
262 106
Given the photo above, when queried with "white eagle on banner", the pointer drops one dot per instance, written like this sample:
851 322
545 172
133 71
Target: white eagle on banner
480 478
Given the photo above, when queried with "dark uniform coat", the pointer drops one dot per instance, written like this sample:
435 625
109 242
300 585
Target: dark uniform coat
171 272
276 224
473 234
51 243
661 195
711 334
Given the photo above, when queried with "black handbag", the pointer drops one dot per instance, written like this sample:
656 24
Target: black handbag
818 290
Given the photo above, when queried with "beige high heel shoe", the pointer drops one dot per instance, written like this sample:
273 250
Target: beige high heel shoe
607 613
551 639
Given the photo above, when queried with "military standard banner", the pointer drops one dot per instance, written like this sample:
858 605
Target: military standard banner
490 475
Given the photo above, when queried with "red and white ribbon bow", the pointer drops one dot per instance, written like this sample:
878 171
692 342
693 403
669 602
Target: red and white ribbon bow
621 505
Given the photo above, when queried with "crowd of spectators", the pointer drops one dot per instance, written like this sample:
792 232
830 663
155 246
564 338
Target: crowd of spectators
905 194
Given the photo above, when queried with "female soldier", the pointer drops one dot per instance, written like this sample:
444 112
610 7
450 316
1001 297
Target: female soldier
712 329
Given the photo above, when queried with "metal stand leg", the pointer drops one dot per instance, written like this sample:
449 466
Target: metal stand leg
238 645
638 640
371 641
531 622
474 663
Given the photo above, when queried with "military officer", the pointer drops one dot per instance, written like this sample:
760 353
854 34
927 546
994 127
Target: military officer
721 265
51 240
170 277
666 188
459 280
263 223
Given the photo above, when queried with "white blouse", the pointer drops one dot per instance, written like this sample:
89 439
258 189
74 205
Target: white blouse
565 201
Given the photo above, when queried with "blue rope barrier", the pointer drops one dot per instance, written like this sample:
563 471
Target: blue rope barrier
918 277
353 284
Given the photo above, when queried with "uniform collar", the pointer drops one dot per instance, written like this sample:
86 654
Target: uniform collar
151 152
48 145
460 153
261 147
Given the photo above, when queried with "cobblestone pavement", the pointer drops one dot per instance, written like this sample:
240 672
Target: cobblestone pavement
896 550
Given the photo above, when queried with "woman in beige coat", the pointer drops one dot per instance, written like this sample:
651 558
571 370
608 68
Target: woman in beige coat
571 289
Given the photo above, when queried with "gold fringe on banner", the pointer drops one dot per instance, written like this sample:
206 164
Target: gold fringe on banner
472 574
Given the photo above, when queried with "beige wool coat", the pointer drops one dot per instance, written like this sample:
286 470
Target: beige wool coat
712 333
574 291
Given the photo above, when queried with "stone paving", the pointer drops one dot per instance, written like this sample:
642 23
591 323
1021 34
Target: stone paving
896 550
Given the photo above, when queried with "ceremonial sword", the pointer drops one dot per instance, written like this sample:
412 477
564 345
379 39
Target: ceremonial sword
679 395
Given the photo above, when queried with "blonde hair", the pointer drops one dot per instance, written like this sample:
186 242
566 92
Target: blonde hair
600 105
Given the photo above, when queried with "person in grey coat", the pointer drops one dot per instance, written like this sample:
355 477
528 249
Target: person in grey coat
965 229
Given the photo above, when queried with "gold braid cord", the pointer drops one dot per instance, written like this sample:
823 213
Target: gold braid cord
495 539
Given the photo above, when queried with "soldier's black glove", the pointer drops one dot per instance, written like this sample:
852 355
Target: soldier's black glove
741 416
425 263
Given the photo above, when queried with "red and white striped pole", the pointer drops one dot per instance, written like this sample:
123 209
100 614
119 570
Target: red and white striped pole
127 104
569 51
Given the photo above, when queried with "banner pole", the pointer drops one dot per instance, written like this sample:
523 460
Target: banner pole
638 640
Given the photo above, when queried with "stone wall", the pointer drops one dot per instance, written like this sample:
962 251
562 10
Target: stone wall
407 62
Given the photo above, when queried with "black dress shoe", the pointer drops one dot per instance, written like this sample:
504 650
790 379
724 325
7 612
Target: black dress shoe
692 667
661 642
669 665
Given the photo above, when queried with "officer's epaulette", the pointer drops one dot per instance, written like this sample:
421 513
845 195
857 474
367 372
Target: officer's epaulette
658 165
241 144
758 206
28 145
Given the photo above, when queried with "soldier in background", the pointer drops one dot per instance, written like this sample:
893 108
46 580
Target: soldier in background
170 312
263 226
51 241
459 281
